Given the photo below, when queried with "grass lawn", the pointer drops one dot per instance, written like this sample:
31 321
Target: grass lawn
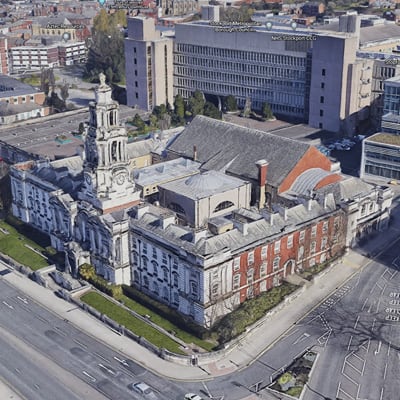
167 325
13 245
123 317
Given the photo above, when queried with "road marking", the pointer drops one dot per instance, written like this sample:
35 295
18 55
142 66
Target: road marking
92 378
342 391
123 362
384 372
22 299
379 348
365 302
348 346
36 386
304 336
60 331
99 355
373 324
80 343
110 371
6 304
381 394
355 325
389 349
17 371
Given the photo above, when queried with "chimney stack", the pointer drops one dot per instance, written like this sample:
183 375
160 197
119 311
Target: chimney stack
194 153
262 166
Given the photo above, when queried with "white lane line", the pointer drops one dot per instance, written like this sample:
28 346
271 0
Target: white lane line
346 394
36 386
18 371
348 346
355 325
384 372
92 378
389 349
80 343
6 304
357 356
379 348
373 324
365 303
123 362
99 355
381 394
350 378
354 367
22 299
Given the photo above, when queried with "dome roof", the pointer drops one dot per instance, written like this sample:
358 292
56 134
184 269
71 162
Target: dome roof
204 181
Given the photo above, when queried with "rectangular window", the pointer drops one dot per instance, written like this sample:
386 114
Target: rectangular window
154 252
320 125
325 227
314 231
324 242
312 262
322 85
236 281
144 248
322 99
277 247
264 252
136 95
275 265
313 247
236 264
263 270
321 113
302 235
250 257
136 85
290 241
323 72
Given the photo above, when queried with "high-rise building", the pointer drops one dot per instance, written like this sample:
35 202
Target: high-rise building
148 65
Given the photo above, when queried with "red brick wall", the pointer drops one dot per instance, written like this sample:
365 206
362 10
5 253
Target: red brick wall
311 159
286 254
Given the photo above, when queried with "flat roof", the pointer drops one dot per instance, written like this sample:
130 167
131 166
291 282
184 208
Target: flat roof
385 138
38 136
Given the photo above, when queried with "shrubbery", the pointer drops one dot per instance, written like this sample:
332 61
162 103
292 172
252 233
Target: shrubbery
166 312
249 312
87 272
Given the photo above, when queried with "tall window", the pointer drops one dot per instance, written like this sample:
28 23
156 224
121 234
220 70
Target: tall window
236 281
290 241
263 270
275 265
277 247
236 264
313 247
302 235
250 257
264 252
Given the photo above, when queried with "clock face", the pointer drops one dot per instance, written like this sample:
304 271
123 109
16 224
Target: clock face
121 179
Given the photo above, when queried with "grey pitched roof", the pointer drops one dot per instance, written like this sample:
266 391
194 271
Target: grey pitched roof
13 87
220 143
346 189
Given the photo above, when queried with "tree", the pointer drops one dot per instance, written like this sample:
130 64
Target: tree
210 110
153 120
266 111
106 48
159 111
47 80
138 122
230 103
196 103
179 106
64 92
81 128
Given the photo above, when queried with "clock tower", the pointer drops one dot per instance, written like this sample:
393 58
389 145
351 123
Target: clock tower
107 182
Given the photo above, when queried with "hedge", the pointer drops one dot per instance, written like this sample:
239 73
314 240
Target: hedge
166 312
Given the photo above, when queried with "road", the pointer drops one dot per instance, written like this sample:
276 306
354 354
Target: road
84 365
355 330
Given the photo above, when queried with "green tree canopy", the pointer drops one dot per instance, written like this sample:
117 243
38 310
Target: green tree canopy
210 110
267 112
106 48
196 103
231 103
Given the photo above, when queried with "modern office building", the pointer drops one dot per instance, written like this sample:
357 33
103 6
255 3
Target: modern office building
391 106
149 65
292 70
381 156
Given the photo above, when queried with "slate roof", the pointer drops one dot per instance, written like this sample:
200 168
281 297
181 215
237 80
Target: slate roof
236 149
346 189
13 87
233 241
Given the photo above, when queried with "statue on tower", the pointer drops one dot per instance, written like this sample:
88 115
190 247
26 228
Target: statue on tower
102 79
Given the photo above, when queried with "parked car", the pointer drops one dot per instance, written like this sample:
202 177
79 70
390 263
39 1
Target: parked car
192 396
143 389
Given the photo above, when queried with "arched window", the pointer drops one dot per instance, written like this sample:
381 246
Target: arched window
224 205
175 279
165 274
177 208
156 289
146 282
136 276
165 294
118 250
155 268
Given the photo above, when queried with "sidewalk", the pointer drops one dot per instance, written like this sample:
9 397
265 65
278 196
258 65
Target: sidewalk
255 344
